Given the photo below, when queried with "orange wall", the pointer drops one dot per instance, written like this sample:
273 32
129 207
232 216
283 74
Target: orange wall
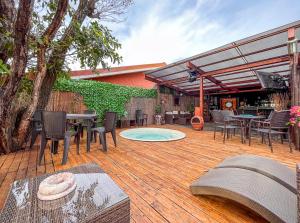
133 80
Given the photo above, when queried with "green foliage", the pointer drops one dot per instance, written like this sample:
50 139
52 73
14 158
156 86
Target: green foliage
4 69
191 108
158 109
93 43
26 85
101 97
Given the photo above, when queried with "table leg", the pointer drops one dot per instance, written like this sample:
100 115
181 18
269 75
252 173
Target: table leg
88 140
54 146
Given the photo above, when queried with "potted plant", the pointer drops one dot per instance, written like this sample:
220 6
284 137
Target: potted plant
157 115
122 120
191 108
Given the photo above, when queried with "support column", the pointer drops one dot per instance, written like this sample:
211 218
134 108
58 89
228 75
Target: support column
201 96
294 84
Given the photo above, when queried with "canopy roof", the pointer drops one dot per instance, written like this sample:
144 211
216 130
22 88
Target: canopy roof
232 67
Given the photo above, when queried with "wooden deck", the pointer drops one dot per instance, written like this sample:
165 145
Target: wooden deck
156 176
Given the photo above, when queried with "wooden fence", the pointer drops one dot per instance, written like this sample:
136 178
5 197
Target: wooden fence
73 103
147 105
66 101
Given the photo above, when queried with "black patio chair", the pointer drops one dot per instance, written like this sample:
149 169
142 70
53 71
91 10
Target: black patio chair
55 128
225 124
84 124
36 126
276 124
109 126
169 119
140 118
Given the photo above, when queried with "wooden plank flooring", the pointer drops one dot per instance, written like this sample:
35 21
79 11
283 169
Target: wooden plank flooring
155 175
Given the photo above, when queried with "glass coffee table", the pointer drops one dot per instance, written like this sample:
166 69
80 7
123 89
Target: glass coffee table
96 199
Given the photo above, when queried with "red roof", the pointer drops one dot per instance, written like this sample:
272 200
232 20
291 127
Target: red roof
116 70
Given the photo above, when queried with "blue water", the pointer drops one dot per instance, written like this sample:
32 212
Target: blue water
149 136
152 134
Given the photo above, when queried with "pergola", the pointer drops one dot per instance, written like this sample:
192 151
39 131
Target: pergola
232 68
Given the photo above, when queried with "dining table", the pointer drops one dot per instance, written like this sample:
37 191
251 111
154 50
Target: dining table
246 118
89 118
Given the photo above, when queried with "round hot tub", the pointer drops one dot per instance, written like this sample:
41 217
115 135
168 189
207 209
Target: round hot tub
152 134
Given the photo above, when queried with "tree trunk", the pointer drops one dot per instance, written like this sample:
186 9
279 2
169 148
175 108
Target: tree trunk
19 62
26 119
7 15
48 35
57 58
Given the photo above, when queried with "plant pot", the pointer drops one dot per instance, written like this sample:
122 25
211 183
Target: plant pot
296 136
158 119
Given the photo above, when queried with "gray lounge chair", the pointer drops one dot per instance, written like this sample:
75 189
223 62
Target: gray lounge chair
261 194
268 167
270 194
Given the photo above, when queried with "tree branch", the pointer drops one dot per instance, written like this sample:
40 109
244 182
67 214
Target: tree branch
57 20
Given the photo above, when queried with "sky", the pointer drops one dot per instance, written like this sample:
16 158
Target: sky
169 30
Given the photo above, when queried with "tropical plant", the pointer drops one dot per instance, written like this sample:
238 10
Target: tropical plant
191 108
158 109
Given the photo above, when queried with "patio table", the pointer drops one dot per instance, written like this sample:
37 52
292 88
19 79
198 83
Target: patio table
246 120
96 199
89 118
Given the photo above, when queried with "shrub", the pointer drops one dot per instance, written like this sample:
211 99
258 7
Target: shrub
102 97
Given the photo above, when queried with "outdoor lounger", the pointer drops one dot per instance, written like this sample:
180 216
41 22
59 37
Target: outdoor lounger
265 189
268 167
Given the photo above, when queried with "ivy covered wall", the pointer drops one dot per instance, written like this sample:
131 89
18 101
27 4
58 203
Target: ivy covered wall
101 97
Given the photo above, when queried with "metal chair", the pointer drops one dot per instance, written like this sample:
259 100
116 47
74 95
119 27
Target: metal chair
225 124
54 128
276 125
109 126
36 126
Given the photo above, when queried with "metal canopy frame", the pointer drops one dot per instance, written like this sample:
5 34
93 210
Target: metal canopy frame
232 68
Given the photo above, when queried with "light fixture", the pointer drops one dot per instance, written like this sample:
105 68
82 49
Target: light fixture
292 46
192 75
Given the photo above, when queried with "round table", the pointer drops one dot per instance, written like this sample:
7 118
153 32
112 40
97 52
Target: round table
89 118
246 118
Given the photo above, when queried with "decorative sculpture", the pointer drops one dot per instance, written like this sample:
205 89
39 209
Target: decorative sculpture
197 121
56 186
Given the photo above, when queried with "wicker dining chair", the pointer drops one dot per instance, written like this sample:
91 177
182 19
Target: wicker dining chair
54 128
275 125
225 124
109 127
36 126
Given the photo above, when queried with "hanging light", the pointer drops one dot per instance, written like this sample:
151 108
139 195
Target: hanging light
292 46
192 76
